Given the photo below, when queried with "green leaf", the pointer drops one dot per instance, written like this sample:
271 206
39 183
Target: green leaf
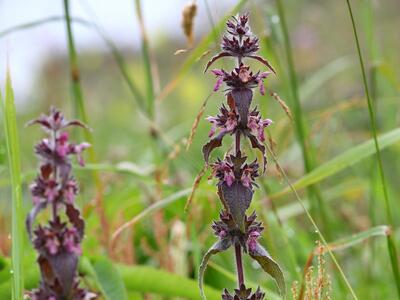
342 161
155 281
151 209
218 247
359 237
13 153
108 279
324 74
270 266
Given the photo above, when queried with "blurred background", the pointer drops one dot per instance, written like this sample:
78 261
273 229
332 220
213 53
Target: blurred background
140 142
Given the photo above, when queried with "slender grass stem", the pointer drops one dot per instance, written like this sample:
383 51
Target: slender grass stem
147 62
300 125
391 245
314 224
80 112
17 223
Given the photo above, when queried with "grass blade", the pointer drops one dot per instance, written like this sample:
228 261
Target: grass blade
372 118
17 217
147 62
80 112
314 224
359 237
371 112
107 278
342 161
151 209
307 148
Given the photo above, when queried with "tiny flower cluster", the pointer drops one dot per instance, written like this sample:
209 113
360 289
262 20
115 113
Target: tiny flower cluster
225 229
240 77
236 178
58 242
234 169
57 238
243 293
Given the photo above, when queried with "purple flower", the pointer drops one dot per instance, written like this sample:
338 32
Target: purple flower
226 121
240 77
58 243
236 177
232 168
220 79
70 190
252 240
71 241
260 81
224 171
238 25
257 125
55 121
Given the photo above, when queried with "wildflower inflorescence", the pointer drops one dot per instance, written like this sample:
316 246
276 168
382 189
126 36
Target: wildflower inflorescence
58 242
236 177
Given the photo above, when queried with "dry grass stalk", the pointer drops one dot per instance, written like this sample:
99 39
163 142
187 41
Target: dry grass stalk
188 14
283 104
196 123
317 285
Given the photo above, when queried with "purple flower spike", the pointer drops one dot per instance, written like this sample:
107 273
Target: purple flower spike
58 243
236 177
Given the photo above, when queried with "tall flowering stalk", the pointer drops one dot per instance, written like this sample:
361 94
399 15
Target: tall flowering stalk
58 242
236 177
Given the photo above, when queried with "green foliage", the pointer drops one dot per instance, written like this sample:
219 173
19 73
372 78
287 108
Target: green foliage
147 173
107 278
343 160
17 217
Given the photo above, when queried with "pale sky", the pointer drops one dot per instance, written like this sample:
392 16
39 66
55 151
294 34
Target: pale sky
27 49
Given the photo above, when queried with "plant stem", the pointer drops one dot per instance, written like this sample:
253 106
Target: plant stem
391 245
147 62
301 128
237 142
239 264
81 114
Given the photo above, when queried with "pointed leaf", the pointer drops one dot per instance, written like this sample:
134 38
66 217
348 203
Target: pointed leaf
61 268
218 247
108 279
215 58
73 215
264 61
14 166
32 216
236 198
242 98
270 266
212 144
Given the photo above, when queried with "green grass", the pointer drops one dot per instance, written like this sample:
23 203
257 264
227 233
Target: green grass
14 164
318 208
343 121
391 244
